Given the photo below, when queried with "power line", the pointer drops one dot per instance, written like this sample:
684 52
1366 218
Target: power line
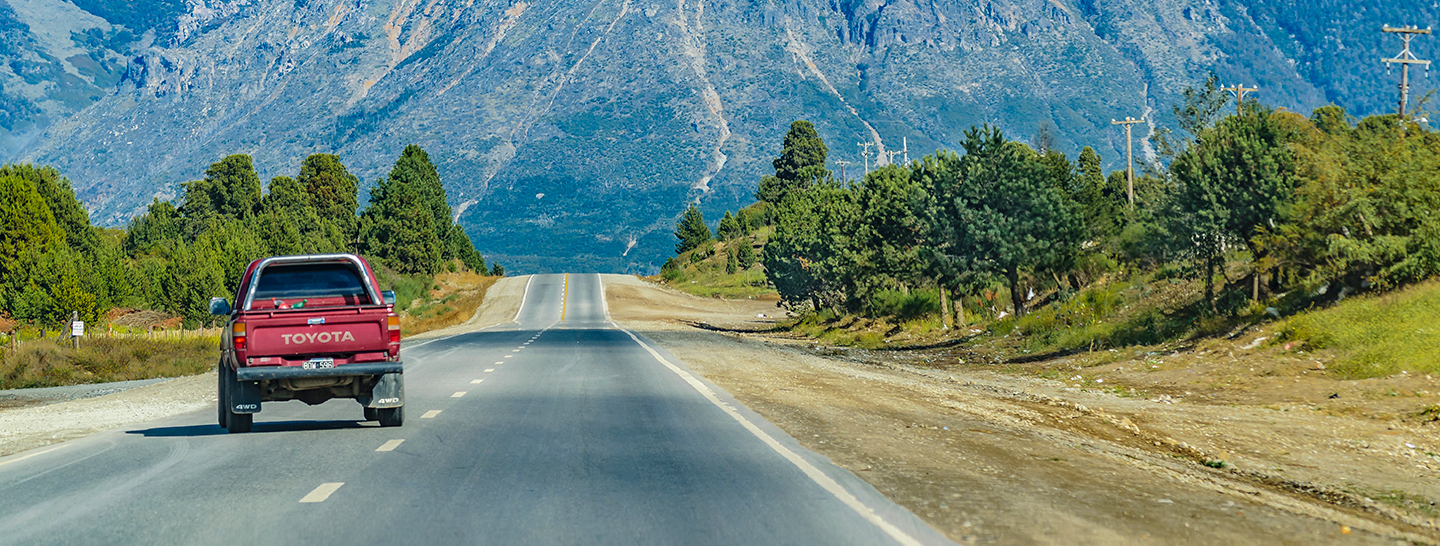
1129 156
1405 59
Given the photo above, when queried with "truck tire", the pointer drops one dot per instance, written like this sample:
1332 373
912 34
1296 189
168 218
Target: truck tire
390 417
371 415
234 422
221 401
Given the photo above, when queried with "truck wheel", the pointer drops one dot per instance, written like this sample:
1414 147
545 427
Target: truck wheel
234 422
222 402
240 422
390 417
371 415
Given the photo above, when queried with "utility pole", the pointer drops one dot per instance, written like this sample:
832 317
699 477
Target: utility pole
1129 156
906 149
844 179
1239 91
1405 59
866 153
890 157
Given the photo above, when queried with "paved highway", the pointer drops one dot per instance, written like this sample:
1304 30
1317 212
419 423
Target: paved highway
560 428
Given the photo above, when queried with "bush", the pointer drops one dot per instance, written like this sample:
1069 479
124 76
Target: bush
905 306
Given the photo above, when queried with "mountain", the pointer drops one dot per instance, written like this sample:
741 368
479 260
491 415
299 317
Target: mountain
573 134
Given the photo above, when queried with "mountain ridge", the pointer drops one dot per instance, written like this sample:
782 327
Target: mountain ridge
572 135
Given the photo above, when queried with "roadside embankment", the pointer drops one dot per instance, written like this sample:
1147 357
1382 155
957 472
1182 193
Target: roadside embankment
989 456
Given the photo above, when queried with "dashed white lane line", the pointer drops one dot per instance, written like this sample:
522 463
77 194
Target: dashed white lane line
499 362
508 356
477 381
323 492
517 350
488 370
430 414
458 394
390 445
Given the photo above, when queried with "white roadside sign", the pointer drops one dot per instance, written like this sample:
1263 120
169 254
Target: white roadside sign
77 328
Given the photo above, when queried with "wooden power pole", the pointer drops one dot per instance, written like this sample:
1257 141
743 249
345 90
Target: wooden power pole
844 180
1405 59
1129 156
1239 91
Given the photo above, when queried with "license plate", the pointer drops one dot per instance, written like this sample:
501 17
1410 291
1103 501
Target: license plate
317 363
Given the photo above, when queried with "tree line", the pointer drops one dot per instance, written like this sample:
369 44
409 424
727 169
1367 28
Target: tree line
177 255
1253 203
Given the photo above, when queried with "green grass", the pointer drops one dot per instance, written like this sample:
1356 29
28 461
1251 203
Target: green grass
1375 336
702 273
48 363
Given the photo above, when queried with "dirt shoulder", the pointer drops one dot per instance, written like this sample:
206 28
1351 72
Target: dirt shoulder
986 456
28 423
27 428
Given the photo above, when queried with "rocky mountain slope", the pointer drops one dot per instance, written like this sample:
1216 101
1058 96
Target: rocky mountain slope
574 133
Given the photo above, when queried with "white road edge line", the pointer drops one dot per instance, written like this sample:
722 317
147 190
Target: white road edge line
604 305
35 454
430 414
390 445
523 296
824 481
323 492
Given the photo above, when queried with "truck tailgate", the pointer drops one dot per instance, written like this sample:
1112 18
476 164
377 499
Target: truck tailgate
309 332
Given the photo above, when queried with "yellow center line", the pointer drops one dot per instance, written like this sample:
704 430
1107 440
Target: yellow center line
564 297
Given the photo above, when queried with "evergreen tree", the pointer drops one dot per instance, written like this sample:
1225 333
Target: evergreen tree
1235 180
732 259
801 164
729 227
745 255
691 230
1000 212
69 213
812 255
26 223
331 188
497 270
230 188
892 231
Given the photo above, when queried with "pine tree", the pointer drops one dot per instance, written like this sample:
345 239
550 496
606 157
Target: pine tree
732 260
26 223
729 228
497 270
801 164
58 194
745 255
691 230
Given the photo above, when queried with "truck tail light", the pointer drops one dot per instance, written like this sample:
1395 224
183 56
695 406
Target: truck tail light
394 329
237 332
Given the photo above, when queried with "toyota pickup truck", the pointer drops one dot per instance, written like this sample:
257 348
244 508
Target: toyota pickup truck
309 328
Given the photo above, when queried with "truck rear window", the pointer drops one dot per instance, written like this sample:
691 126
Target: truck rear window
310 281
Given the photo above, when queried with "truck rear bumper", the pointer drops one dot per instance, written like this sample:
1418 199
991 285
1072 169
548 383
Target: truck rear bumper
260 373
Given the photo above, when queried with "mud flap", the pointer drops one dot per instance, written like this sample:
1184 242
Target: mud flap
244 396
389 392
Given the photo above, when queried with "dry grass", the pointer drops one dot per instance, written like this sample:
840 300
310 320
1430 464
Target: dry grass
48 363
453 300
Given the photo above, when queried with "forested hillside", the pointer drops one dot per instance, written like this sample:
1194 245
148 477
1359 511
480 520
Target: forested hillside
1266 211
176 256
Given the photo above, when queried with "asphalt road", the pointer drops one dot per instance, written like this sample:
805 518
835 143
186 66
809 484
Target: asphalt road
559 429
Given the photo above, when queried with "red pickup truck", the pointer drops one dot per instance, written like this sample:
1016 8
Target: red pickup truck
309 328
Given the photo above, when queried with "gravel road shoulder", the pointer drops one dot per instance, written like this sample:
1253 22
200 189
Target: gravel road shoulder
993 458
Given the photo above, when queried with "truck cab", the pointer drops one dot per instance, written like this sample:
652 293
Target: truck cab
309 328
